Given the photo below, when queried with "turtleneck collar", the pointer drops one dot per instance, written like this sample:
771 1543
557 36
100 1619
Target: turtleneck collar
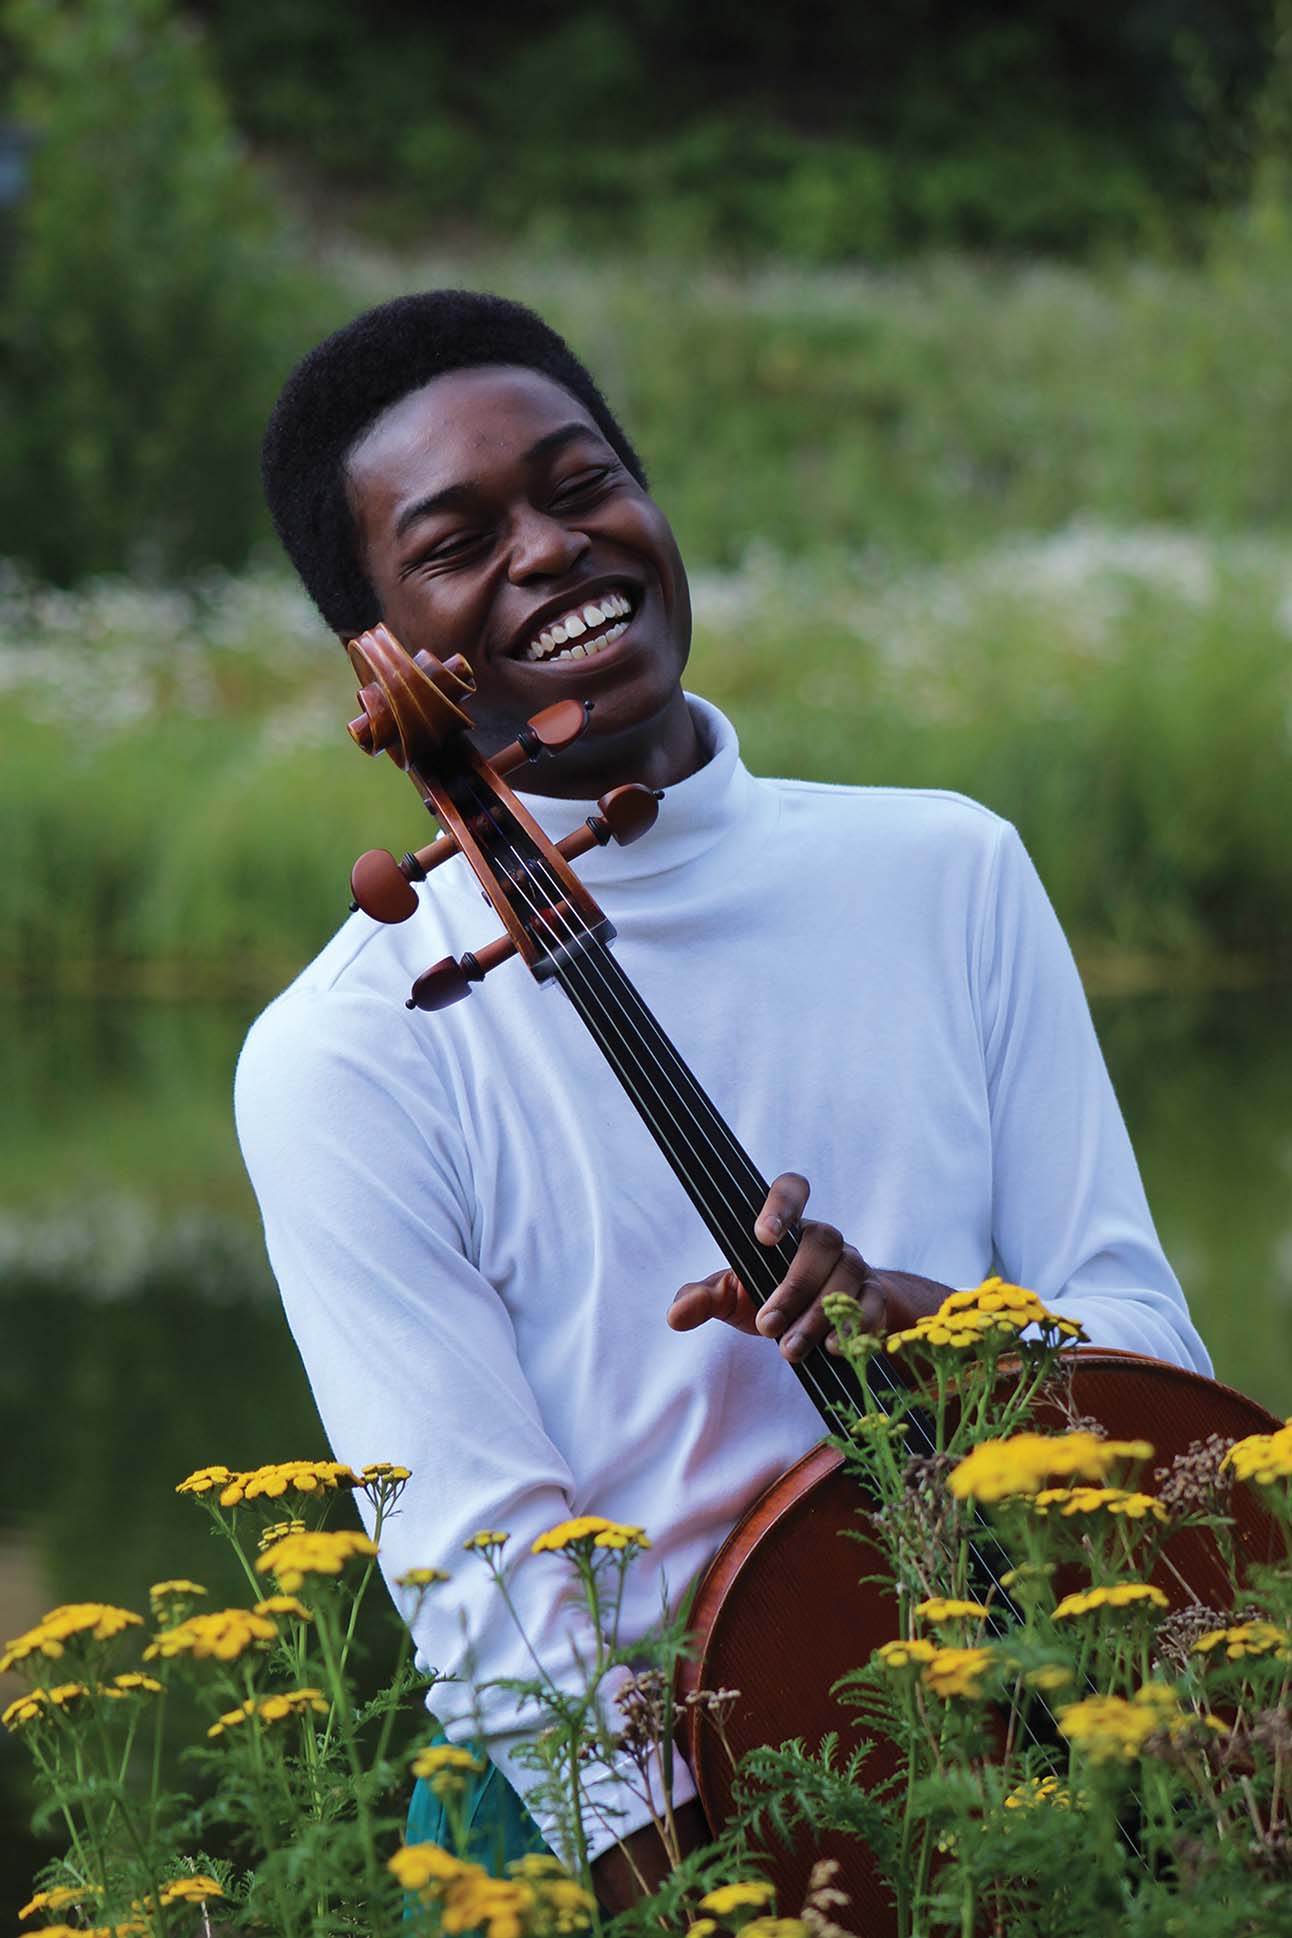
719 800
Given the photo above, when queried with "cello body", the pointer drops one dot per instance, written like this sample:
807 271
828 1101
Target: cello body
782 1611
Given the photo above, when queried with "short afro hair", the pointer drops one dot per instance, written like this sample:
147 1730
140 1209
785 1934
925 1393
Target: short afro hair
336 392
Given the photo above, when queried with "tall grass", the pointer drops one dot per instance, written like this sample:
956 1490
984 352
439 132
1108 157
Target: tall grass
926 410
182 798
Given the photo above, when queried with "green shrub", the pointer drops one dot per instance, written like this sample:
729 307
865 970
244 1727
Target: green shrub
149 318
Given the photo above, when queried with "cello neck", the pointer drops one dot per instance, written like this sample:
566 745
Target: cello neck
717 1174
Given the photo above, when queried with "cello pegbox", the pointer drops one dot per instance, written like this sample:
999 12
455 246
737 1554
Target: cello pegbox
449 980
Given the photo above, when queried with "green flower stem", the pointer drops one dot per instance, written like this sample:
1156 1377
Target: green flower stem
341 1708
264 1822
121 1805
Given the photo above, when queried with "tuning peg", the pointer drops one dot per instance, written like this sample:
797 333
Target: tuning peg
382 886
626 814
549 732
448 981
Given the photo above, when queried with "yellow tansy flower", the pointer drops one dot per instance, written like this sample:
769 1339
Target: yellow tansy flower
191 1890
284 1605
60 1897
1262 1457
906 1655
999 1470
992 1314
753 1892
385 1470
957 1672
1121 1594
161 1590
279 1531
774 1928
427 1867
1047 1677
135 1681
485 1538
272 1709
225 1634
440 1757
1246 1638
1109 1728
1068 1501
594 1530
945 1608
498 1906
1039 1790
205 1481
299 1555
701 1928
282 1476
85 1621
420 1577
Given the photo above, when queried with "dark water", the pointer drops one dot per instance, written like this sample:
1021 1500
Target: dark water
141 1335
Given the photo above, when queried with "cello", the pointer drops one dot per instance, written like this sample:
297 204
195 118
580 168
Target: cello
415 709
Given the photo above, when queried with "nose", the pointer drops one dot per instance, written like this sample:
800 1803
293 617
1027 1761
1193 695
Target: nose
542 547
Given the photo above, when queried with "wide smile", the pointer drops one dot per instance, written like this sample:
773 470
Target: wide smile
582 631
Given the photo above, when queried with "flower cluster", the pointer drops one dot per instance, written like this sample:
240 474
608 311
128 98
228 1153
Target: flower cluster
1247 1638
36 1703
994 1314
537 1895
998 1470
747 1893
1039 1790
1262 1457
226 1634
446 1767
946 1608
588 1531
1067 1501
272 1709
1112 1728
60 1897
1118 1594
298 1555
944 1672
82 1621
282 1476
957 1673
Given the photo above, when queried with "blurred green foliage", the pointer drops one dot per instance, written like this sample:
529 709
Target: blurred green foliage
149 316
825 130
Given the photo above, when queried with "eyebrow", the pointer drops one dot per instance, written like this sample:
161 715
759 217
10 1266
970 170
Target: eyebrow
456 497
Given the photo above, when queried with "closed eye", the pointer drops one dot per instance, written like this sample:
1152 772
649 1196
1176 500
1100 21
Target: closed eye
447 551
585 484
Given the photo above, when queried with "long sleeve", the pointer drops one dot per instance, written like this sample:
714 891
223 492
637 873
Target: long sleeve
364 1181
1070 1217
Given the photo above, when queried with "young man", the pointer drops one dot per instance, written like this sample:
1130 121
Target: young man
479 1247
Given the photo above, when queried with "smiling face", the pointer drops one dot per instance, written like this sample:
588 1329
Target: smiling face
495 520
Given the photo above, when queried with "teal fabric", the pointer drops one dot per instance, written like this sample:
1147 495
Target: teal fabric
499 1827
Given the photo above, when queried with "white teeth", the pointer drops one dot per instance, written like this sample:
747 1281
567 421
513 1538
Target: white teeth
573 624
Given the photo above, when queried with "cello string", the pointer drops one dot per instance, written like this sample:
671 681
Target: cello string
733 1237
578 936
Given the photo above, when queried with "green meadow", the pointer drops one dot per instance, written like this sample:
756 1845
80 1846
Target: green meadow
1020 533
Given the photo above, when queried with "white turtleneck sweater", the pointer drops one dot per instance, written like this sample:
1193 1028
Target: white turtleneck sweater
477 1240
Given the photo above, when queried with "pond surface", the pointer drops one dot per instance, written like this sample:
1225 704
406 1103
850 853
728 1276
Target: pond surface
142 1335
